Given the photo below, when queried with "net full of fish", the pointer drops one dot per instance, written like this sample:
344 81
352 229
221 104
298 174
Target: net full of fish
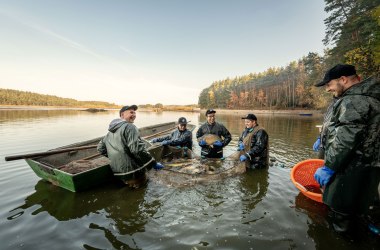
189 171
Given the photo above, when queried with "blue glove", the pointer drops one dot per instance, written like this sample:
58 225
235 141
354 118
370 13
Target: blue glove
158 166
243 158
323 175
154 140
218 144
316 144
241 146
164 143
202 143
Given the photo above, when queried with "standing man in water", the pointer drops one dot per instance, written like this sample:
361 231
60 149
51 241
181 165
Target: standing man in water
125 148
351 171
212 127
254 143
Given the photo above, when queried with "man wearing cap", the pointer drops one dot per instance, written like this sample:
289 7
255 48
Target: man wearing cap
351 171
211 127
125 148
254 143
180 137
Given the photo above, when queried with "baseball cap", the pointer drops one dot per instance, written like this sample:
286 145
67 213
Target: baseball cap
210 111
250 117
182 120
336 72
134 107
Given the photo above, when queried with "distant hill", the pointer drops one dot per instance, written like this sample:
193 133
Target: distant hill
26 98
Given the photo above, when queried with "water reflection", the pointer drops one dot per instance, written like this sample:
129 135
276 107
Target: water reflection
253 187
27 115
125 211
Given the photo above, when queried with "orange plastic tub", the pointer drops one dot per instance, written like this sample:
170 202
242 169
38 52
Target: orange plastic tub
302 176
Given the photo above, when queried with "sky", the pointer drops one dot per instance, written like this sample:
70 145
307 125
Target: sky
149 51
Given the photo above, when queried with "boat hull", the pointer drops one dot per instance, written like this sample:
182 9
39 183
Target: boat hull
82 169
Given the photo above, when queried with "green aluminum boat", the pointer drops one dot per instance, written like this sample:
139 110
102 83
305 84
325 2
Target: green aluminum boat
78 166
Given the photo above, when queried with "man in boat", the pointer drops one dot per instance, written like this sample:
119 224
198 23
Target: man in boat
351 171
254 143
125 148
215 150
181 137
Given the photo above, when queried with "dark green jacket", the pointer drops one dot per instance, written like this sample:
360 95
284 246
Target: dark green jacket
124 147
352 148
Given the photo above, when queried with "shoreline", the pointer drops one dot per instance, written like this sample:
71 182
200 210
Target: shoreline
202 111
267 111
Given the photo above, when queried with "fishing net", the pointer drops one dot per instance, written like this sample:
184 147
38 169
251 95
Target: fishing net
183 168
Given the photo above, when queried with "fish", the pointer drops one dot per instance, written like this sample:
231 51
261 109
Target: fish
210 139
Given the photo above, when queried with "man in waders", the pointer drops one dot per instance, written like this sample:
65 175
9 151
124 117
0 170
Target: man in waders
215 128
254 144
351 171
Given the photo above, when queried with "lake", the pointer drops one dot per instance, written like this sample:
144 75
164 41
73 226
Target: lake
260 209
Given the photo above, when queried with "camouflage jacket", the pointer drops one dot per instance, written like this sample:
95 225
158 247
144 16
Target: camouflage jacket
352 147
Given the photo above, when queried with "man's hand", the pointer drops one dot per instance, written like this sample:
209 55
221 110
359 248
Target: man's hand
317 144
243 158
158 166
323 175
202 143
218 144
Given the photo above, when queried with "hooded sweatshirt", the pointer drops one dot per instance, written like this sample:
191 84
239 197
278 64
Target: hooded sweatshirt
124 147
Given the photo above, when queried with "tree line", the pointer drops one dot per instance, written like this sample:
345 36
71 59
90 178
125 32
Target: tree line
352 31
16 97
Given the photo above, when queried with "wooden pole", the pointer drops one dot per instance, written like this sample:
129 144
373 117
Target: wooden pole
24 156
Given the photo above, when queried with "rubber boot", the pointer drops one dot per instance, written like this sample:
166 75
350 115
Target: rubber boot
341 222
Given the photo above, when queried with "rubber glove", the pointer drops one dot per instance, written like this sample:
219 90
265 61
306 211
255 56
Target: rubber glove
218 144
158 166
316 144
243 158
164 143
241 146
202 143
323 175
154 140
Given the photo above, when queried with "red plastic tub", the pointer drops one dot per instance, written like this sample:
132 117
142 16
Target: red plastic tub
302 176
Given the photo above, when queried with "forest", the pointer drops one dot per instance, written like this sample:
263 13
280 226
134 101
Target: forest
352 36
16 97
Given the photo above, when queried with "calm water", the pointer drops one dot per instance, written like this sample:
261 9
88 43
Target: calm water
260 209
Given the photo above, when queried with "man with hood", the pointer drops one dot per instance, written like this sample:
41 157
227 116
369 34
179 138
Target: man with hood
125 148
351 170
